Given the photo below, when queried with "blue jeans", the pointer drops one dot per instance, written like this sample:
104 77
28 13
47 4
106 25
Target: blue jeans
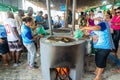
31 53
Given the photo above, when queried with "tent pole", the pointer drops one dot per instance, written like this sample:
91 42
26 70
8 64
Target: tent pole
66 14
49 16
73 17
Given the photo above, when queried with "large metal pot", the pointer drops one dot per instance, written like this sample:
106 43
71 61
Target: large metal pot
55 55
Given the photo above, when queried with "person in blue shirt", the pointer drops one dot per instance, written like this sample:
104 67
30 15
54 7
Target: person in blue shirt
39 19
46 26
102 42
4 45
28 41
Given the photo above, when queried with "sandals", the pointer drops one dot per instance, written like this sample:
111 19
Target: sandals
116 71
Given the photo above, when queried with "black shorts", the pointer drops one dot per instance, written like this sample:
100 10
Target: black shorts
101 57
4 46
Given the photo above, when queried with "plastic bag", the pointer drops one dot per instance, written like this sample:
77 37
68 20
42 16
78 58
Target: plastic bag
78 34
41 30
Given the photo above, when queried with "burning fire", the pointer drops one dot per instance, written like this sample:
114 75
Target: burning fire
63 71
63 74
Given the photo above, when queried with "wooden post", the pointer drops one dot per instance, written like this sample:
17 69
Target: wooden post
49 16
73 17
66 14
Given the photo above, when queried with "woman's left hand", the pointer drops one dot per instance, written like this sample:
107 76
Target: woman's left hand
41 35
82 28
1 41
116 23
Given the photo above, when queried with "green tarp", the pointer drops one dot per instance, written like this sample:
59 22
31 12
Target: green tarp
4 7
103 7
117 4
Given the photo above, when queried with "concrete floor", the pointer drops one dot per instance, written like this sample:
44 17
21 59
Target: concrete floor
107 75
22 73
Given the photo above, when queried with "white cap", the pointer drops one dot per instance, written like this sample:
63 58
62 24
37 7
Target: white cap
99 15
